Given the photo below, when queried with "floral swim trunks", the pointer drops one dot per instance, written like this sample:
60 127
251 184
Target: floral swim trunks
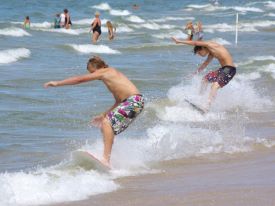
222 75
123 115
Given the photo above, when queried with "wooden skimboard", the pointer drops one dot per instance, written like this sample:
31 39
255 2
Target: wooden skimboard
89 161
194 106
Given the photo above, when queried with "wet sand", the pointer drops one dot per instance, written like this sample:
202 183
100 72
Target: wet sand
245 179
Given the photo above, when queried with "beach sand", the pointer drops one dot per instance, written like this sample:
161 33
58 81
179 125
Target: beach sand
244 179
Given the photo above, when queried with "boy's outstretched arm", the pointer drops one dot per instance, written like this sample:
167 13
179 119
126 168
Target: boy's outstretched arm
74 80
189 42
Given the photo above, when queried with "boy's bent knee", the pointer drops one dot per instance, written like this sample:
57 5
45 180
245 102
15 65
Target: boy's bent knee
106 123
215 85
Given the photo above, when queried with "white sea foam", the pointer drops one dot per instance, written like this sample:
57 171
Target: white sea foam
12 31
173 19
245 9
153 26
169 34
270 4
44 24
169 139
88 48
223 27
123 28
135 19
270 68
102 6
255 24
51 185
83 21
249 76
172 132
248 98
251 60
218 27
270 14
221 41
13 55
242 94
88 21
199 6
115 12
210 7
243 26
66 31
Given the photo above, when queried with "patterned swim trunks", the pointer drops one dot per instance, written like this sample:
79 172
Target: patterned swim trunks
222 75
123 115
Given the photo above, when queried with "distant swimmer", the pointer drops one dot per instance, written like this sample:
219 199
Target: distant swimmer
128 101
221 76
62 20
68 22
135 6
27 23
189 30
96 27
111 30
57 20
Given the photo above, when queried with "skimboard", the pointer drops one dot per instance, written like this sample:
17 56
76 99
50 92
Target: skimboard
89 161
194 106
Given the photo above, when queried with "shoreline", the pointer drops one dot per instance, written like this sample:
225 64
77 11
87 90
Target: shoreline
242 179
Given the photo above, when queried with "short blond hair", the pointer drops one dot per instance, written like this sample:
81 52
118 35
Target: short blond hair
96 62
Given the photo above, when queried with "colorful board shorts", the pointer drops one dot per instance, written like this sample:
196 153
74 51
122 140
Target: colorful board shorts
222 75
124 114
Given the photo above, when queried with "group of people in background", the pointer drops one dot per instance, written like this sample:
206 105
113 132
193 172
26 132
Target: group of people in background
63 20
96 28
192 30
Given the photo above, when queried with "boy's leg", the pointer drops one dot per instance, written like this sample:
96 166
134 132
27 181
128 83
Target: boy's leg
108 139
204 83
212 95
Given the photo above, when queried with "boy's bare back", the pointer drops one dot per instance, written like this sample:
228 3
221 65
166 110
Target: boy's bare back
117 83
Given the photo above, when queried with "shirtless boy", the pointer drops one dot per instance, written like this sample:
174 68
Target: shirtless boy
221 76
128 101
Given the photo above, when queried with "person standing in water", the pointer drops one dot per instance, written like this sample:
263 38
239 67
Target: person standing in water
57 21
27 23
220 77
198 31
62 20
96 27
128 101
111 30
189 30
68 22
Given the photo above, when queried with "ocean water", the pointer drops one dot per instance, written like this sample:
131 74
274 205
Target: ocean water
39 128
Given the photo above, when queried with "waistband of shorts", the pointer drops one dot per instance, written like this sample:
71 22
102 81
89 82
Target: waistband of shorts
132 96
228 66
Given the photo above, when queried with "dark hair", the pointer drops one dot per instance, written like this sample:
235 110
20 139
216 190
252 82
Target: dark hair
96 62
27 17
197 48
66 11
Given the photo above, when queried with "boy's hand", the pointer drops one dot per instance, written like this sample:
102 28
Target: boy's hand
50 84
175 40
97 120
